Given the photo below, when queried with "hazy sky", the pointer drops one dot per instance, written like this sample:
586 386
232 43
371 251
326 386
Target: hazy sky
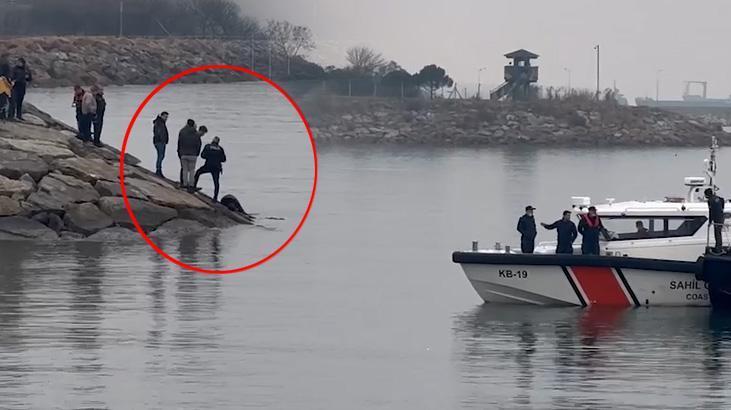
687 39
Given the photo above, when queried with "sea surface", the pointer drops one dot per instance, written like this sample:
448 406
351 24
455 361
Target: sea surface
364 310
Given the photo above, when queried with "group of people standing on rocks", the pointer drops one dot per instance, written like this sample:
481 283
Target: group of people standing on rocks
590 227
90 108
13 84
190 147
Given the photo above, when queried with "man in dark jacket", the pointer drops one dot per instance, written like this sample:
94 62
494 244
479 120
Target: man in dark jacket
527 229
160 139
716 217
189 147
567 234
214 155
21 76
101 107
590 227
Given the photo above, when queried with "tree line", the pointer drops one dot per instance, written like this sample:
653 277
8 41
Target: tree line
140 17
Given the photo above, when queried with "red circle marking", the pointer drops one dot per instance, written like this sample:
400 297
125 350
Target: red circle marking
124 149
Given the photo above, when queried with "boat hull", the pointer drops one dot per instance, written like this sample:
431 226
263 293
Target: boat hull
568 280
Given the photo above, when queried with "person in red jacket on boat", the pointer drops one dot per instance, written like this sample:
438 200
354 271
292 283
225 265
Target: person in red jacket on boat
590 226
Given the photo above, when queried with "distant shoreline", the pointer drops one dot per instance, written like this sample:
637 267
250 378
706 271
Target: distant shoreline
481 123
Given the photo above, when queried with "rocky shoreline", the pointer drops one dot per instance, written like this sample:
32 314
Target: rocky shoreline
66 61
53 186
484 123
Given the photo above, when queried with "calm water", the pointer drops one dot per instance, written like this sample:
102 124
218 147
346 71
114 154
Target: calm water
365 309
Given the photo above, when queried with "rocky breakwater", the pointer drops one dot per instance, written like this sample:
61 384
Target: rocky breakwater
65 61
472 122
54 186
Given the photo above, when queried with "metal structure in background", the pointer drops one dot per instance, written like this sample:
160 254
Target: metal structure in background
479 82
657 83
519 75
687 95
568 70
121 18
598 65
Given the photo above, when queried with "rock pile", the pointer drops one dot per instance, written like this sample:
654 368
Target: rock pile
53 186
471 122
65 61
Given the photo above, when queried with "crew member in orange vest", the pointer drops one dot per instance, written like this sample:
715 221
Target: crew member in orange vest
590 227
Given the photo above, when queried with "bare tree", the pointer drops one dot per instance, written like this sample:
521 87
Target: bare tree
364 60
289 40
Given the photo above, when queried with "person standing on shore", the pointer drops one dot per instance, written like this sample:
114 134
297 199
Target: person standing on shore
98 120
20 77
527 229
78 99
6 87
160 139
215 156
88 111
189 147
567 233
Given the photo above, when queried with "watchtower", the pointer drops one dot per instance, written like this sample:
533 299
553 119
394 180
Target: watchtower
519 74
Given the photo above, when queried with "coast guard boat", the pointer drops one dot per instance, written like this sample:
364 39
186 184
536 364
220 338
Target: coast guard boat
659 265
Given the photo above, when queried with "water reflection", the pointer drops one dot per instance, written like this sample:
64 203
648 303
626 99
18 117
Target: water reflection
528 357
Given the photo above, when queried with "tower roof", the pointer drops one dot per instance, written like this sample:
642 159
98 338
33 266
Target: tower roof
521 54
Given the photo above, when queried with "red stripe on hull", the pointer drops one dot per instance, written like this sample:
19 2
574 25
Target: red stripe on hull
600 286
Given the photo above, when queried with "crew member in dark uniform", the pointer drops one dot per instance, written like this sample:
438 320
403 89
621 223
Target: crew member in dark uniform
716 217
590 226
566 231
527 229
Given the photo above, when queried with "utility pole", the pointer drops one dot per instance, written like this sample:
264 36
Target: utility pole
270 59
479 81
121 18
657 85
568 70
598 90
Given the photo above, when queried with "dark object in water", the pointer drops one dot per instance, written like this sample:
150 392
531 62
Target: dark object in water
230 202
716 272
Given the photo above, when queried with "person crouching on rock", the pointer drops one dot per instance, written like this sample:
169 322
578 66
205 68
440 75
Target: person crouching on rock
88 112
20 77
215 156
78 100
98 120
160 139
189 147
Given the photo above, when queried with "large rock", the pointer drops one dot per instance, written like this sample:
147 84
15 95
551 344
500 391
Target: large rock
89 170
9 207
15 227
10 187
162 195
115 234
13 164
148 215
207 217
56 191
107 188
48 151
86 218
180 227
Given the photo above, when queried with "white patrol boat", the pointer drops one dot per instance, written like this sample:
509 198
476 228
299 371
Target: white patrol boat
654 263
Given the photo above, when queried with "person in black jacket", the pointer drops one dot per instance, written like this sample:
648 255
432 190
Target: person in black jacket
160 139
20 76
590 226
215 156
527 229
716 217
98 120
566 231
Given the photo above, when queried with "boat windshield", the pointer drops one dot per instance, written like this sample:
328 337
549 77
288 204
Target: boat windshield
629 228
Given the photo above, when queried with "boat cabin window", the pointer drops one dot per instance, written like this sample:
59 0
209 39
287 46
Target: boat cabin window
624 228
